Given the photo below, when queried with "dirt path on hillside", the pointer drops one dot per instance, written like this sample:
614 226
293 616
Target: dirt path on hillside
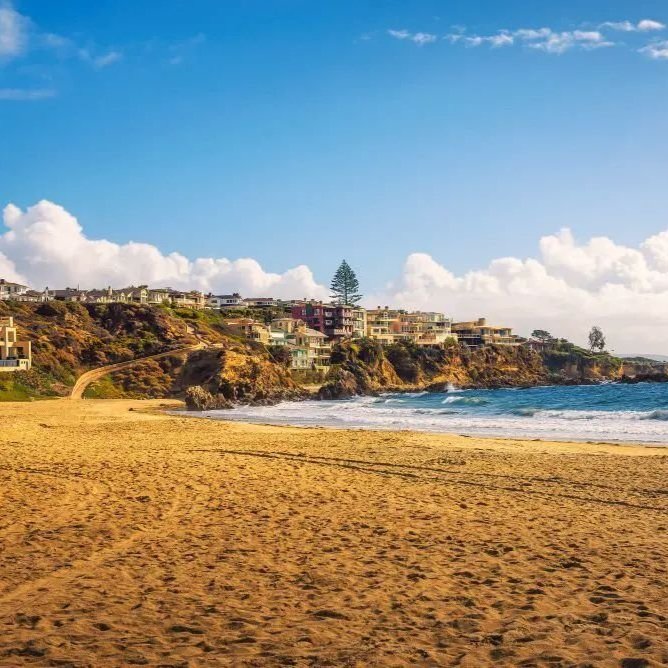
95 374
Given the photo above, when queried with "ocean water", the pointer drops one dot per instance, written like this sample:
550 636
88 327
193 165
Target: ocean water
609 412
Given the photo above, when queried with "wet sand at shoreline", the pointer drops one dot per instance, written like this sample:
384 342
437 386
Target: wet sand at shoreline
130 537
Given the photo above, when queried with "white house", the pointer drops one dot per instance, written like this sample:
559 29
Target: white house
225 301
10 290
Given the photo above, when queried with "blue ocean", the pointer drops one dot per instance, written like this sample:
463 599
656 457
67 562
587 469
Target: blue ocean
610 412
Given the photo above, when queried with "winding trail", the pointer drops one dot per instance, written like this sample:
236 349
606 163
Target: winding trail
87 378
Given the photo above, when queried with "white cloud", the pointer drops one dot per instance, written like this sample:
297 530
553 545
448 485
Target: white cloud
26 94
570 287
543 39
646 25
46 245
419 38
656 50
14 29
565 41
19 35
549 40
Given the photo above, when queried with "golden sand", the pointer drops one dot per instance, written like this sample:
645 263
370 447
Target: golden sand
136 538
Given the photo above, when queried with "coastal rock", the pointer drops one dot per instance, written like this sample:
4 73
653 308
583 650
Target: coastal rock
199 399
232 375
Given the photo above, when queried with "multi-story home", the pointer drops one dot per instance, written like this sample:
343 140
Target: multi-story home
384 324
426 328
234 300
422 328
300 358
359 322
251 329
15 355
478 333
333 320
9 290
192 299
318 349
289 325
298 338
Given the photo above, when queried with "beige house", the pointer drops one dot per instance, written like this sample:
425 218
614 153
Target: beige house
287 325
478 333
15 355
359 322
251 329
192 299
383 324
309 347
424 328
318 349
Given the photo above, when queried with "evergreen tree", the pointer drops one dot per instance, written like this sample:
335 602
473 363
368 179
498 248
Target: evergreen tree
345 286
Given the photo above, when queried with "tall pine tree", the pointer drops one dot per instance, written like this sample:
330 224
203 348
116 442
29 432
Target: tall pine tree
345 286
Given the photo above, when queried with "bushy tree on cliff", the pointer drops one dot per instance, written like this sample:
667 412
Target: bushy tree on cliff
542 335
596 340
345 286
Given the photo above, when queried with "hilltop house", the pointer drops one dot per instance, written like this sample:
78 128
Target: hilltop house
424 328
383 324
192 299
10 290
225 301
260 302
478 333
15 355
250 329
335 321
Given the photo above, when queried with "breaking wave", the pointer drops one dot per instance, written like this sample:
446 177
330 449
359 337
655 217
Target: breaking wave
612 412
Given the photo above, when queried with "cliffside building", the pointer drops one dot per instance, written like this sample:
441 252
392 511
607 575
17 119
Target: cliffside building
478 333
9 290
15 354
333 320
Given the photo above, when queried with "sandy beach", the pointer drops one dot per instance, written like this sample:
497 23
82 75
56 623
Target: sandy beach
131 537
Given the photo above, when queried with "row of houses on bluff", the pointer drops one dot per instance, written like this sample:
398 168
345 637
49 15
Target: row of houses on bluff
305 328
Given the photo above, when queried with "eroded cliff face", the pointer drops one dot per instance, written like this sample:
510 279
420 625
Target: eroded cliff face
364 367
232 373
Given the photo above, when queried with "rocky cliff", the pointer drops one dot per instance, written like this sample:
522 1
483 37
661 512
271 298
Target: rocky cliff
364 367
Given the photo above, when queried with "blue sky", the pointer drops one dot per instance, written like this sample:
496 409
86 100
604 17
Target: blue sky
294 131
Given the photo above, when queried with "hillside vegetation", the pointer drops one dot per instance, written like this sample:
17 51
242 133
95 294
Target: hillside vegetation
69 338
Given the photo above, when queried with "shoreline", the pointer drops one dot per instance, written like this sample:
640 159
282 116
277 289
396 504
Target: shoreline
446 434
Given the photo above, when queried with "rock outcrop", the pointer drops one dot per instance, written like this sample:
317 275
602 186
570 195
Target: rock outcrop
364 367
233 373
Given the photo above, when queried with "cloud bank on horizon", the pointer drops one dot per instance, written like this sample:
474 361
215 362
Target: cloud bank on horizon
568 288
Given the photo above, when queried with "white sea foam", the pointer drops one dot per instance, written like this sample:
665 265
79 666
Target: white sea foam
466 414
